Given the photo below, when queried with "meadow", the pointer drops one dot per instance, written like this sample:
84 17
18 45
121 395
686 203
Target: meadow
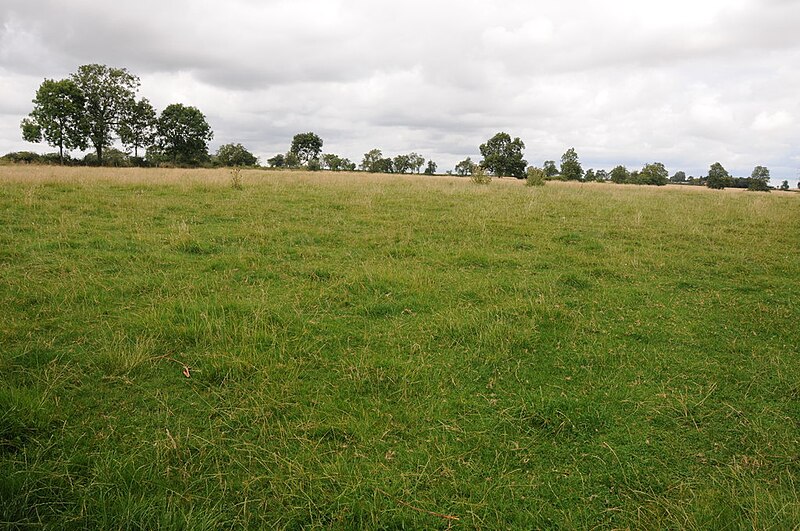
350 351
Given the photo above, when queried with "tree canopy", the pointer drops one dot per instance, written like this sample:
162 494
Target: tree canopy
108 94
306 146
57 116
235 155
183 134
503 156
571 169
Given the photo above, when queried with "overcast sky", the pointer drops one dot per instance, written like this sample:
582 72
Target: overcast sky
683 82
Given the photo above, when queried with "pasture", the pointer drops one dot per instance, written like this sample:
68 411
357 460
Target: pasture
347 351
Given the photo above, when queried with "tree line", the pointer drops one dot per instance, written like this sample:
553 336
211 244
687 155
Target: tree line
97 105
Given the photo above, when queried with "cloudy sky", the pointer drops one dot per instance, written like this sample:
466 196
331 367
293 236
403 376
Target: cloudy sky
683 82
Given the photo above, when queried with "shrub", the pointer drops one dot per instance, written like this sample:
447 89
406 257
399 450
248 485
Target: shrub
535 176
480 176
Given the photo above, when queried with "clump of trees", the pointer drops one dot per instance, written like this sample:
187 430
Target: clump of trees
97 107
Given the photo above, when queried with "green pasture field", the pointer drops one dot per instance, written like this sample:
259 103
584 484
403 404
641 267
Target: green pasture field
381 352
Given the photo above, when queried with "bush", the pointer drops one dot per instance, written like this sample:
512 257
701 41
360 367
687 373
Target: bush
480 176
535 176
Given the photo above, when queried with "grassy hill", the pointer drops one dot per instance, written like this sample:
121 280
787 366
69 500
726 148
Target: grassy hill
359 351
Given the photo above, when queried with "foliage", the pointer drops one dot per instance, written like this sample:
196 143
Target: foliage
430 169
57 116
112 158
535 176
653 174
619 175
137 129
480 176
109 95
235 155
372 161
784 186
183 134
466 167
589 176
571 169
278 161
678 177
503 156
759 180
416 161
718 177
550 169
601 176
401 163
306 147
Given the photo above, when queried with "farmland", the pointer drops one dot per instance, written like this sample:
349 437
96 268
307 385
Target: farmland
360 351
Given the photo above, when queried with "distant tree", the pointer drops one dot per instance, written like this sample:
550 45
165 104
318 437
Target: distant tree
571 169
589 176
291 160
601 176
550 168
137 127
655 174
278 161
314 165
503 156
108 94
306 146
112 157
466 167
718 177
183 134
372 161
331 161
619 175
679 177
416 161
784 185
431 168
235 155
759 180
57 116
401 163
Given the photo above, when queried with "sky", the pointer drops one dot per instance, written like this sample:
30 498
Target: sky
682 82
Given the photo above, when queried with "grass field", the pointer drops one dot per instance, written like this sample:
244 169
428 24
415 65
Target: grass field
394 352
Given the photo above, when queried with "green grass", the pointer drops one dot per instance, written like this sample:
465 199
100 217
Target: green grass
378 352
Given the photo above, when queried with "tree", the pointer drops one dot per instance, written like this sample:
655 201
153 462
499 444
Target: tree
679 177
571 169
589 176
278 161
431 168
759 180
654 173
718 177
235 155
601 176
108 93
56 116
466 167
138 126
416 161
503 156
371 161
306 146
183 134
401 163
785 186
550 168
619 175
